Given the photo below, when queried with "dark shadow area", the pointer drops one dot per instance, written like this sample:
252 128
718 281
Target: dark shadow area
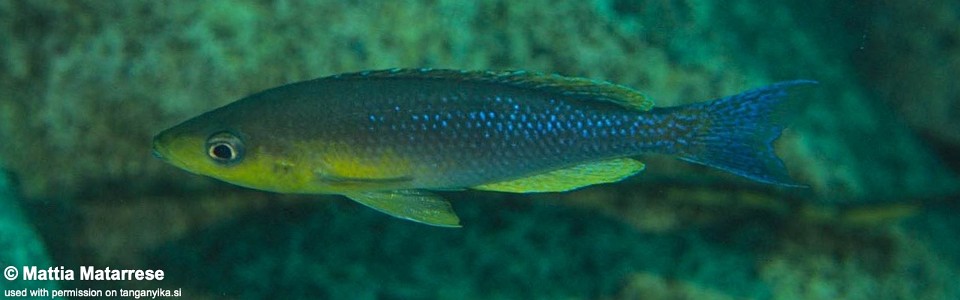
505 250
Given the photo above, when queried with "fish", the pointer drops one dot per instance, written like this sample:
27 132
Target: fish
390 139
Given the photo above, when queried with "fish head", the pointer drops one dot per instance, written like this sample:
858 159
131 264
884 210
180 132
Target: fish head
229 149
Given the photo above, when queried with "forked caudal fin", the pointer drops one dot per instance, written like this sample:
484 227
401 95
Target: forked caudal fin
737 133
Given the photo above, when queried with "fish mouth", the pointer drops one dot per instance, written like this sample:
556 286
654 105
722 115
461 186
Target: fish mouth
164 147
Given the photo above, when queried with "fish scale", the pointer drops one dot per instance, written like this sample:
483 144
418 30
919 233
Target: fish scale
511 133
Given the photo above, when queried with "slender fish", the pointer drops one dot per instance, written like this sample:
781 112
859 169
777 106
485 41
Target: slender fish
386 138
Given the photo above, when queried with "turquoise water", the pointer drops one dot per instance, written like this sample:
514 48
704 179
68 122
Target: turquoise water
86 84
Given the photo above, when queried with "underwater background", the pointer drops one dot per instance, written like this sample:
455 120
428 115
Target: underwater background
86 84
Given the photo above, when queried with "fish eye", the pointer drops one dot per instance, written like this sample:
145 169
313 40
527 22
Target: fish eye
225 148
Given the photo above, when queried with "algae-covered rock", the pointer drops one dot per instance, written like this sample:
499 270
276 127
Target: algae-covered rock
20 245
89 83
647 286
910 55
813 261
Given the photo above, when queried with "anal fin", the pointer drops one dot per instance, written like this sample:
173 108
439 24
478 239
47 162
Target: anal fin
570 178
414 205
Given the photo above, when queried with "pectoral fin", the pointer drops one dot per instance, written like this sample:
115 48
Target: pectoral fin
414 205
571 178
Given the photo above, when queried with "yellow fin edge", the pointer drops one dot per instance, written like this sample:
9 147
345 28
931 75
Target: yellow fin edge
563 180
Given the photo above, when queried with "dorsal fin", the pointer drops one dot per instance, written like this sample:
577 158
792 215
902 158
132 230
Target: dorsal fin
580 88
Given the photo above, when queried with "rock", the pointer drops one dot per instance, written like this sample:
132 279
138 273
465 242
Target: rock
87 84
910 55
20 245
87 92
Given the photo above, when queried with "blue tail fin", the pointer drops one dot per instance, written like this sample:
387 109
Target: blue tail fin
737 133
